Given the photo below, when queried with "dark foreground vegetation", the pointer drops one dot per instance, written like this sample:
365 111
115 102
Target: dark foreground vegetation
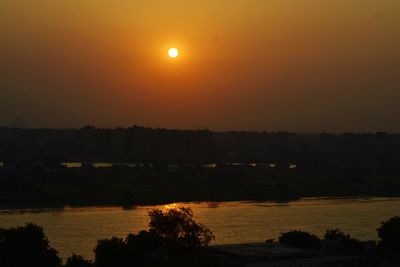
175 239
175 165
387 250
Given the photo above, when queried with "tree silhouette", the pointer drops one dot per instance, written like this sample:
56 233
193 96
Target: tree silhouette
300 239
78 261
173 239
145 244
348 245
389 233
179 227
111 252
26 247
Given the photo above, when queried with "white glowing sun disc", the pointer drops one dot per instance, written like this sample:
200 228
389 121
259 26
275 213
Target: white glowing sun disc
173 52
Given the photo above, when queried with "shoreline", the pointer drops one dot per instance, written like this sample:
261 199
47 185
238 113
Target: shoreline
62 206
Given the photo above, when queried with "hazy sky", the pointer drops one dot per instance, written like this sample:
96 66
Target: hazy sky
298 65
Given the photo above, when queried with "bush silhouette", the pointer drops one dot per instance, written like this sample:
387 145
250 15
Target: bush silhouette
78 261
111 252
300 239
348 245
145 244
26 247
389 233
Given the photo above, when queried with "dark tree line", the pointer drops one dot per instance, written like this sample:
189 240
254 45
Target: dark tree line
139 144
387 249
344 243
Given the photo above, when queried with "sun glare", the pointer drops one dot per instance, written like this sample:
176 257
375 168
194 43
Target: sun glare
173 52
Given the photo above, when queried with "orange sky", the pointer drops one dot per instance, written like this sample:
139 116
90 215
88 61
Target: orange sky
298 65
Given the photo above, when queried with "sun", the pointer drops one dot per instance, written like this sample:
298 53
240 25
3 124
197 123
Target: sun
173 52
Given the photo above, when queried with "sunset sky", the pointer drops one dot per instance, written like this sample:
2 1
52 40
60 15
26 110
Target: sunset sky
297 65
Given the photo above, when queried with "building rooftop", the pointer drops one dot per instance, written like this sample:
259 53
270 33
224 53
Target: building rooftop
265 249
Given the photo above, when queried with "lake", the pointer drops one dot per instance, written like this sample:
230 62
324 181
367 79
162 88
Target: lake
76 230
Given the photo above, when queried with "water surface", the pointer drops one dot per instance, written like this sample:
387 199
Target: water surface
76 230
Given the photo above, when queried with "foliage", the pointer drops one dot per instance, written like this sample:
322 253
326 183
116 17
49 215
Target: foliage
111 252
389 233
174 238
348 245
300 239
78 261
26 247
178 226
145 243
